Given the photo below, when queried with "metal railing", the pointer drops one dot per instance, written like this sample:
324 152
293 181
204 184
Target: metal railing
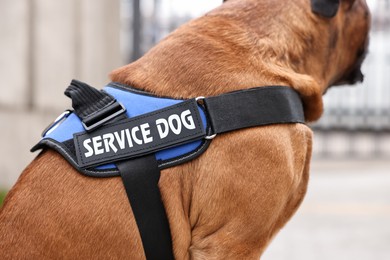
360 115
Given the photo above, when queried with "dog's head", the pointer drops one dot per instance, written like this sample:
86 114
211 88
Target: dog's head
351 21
334 31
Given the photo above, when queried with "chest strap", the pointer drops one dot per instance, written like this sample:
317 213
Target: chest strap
140 177
103 116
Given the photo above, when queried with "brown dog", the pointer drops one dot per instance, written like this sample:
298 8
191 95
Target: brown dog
231 201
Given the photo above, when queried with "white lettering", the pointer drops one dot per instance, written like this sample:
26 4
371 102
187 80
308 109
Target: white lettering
135 138
109 142
146 133
96 141
89 148
189 123
120 139
175 130
141 134
127 131
161 132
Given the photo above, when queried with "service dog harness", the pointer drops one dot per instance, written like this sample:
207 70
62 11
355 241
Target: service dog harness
122 131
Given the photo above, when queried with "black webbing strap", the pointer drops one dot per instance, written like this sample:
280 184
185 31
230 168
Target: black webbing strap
140 177
254 107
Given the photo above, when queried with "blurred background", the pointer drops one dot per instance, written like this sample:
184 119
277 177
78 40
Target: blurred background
46 43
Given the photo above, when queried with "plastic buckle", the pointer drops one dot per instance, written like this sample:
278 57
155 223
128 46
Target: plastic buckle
56 122
101 117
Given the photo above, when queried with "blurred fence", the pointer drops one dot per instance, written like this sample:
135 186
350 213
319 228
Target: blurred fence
356 122
43 45
144 23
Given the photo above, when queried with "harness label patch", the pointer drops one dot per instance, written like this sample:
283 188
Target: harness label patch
144 134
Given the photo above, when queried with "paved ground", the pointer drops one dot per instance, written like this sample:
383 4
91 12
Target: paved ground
345 215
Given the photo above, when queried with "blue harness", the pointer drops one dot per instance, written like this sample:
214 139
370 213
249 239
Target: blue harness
59 135
122 131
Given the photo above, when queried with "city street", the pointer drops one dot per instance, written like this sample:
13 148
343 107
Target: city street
345 215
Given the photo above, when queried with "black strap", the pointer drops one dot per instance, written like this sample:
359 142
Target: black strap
254 107
140 177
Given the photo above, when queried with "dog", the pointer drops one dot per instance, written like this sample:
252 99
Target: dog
230 202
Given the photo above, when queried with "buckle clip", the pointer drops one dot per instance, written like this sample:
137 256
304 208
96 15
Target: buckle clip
102 116
56 122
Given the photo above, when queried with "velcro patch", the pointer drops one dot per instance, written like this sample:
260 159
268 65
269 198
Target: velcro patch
137 136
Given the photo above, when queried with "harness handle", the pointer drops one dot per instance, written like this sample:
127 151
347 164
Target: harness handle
94 107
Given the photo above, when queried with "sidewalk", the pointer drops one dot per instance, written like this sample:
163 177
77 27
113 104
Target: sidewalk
345 215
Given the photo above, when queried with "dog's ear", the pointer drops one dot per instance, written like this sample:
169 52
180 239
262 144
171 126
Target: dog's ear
326 8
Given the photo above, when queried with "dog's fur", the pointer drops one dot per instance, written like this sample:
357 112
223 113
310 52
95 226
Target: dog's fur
231 201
